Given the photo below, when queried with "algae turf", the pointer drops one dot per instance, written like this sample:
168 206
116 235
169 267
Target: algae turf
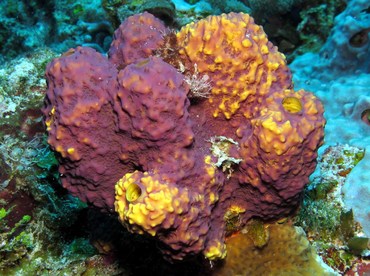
323 214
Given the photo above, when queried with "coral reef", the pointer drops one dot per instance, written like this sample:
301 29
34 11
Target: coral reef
340 75
316 24
182 164
272 7
296 27
80 23
22 26
118 11
29 25
347 48
228 6
324 214
45 230
187 12
174 13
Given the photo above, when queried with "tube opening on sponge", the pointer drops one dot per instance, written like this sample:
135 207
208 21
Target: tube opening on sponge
360 39
292 104
365 116
133 192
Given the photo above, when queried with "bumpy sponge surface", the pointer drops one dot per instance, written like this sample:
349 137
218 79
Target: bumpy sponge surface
136 133
235 53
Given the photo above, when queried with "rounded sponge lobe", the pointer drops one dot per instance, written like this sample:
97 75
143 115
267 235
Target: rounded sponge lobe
136 38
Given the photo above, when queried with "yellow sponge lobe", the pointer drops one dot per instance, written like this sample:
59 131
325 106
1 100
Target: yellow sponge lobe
144 202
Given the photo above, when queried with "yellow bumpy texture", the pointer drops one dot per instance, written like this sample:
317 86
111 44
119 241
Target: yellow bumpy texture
235 53
277 128
146 203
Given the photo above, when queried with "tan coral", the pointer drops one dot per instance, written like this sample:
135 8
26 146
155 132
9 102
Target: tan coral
287 252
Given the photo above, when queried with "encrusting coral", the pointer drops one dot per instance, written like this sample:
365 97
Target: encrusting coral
183 166
288 252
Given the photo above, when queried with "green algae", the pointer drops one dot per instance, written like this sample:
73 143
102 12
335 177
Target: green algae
320 218
78 10
322 209
347 224
321 191
358 244
3 213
